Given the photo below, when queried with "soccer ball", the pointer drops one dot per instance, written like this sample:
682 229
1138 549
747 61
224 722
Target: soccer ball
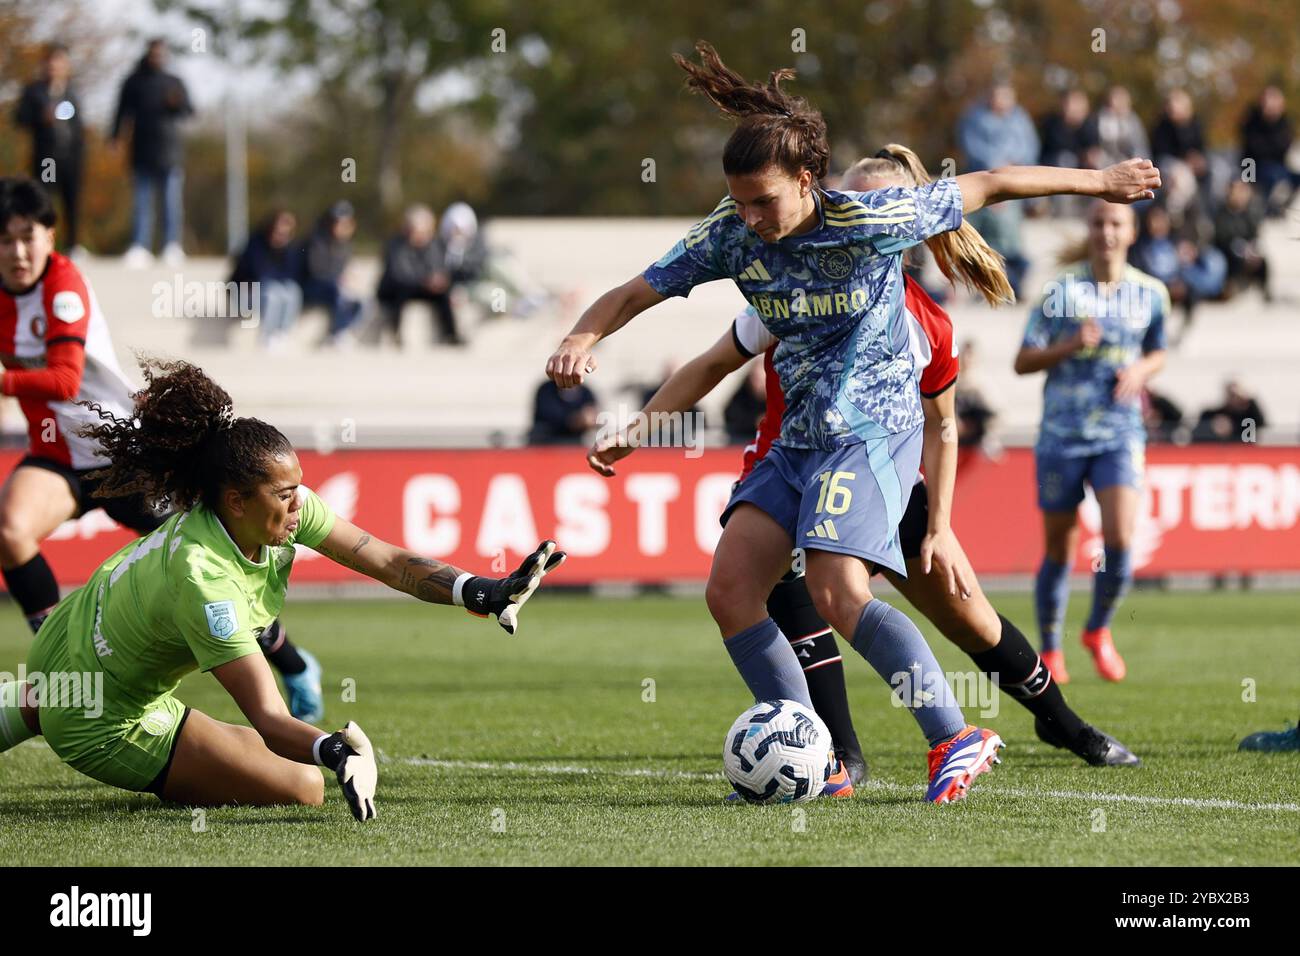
778 751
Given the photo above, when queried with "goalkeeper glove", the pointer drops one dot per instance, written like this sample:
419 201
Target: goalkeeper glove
349 755
505 596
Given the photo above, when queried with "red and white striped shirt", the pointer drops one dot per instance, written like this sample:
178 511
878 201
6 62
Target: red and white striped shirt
934 353
56 351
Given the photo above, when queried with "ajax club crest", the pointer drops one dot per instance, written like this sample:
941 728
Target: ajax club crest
834 263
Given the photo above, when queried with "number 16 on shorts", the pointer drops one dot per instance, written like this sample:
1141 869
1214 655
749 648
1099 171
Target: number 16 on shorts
834 498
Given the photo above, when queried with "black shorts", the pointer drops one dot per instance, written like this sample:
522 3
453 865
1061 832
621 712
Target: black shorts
160 781
912 527
131 510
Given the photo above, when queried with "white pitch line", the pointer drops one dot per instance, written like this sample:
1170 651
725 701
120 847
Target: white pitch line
1084 795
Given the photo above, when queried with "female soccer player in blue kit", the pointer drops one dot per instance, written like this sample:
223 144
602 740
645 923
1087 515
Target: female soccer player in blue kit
971 622
1099 332
823 270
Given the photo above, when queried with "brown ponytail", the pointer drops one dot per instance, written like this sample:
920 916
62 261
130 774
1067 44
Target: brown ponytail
962 253
775 128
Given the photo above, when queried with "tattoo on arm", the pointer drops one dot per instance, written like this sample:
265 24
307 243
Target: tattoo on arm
365 540
434 586
340 558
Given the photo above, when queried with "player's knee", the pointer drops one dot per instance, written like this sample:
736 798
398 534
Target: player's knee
836 607
308 786
16 536
731 602
1059 549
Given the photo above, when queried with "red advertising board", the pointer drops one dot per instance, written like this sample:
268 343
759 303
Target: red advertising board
1206 509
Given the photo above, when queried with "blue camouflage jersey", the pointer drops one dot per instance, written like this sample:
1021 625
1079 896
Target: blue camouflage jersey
1080 413
833 297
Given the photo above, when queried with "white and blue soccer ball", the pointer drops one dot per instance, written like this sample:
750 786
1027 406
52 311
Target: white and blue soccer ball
778 751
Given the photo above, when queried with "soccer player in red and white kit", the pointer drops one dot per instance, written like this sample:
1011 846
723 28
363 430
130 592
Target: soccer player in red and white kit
995 644
58 357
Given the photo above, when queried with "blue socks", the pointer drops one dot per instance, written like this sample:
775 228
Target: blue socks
1051 595
894 647
1109 585
768 663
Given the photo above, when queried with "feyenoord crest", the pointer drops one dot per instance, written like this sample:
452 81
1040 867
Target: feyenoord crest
834 263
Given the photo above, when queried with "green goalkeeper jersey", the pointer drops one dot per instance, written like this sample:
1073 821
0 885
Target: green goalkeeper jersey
181 598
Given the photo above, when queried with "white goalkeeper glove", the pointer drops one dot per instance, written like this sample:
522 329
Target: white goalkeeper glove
505 596
349 754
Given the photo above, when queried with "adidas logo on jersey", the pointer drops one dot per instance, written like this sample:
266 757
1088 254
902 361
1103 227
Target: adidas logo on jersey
825 529
756 272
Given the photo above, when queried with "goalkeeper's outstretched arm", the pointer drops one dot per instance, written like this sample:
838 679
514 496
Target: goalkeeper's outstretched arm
435 581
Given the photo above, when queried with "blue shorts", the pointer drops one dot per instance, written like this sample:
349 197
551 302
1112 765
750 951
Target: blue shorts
849 500
1061 478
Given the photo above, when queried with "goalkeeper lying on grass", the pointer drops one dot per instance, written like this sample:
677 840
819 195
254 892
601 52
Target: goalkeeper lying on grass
195 593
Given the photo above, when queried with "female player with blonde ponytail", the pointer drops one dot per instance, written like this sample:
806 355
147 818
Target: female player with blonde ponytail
823 270
962 254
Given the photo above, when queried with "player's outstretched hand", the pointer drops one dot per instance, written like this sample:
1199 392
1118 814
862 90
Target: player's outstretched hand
505 596
608 450
349 754
1130 181
940 550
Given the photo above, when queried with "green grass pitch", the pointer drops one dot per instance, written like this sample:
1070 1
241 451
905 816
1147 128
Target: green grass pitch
545 749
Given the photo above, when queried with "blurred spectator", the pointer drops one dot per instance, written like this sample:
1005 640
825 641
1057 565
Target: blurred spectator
152 102
1177 135
274 261
467 261
1163 419
1236 235
1064 142
1191 272
975 417
1266 135
998 132
1114 132
1061 133
562 416
49 108
464 250
1229 421
329 250
415 270
746 407
1178 149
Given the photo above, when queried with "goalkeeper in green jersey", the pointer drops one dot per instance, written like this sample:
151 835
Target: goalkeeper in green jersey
196 593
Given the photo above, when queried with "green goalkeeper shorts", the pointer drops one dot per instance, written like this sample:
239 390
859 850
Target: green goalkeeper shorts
126 747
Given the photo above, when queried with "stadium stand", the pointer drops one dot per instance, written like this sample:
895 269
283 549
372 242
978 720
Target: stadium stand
437 396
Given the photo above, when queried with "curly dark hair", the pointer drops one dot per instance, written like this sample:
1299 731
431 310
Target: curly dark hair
182 443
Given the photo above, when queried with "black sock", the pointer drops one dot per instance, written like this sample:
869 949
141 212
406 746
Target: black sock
1021 675
791 607
33 586
279 650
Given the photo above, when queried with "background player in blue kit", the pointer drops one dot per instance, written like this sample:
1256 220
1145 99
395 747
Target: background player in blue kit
823 270
1099 332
